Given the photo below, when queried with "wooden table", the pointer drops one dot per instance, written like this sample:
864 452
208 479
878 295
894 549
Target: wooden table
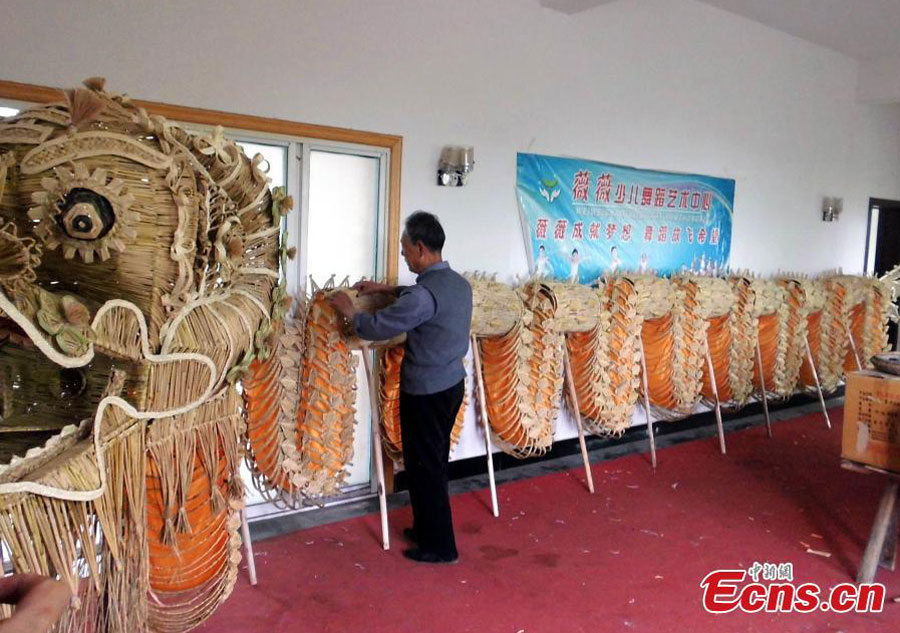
881 550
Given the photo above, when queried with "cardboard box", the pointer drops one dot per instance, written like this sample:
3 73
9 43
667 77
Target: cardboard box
872 420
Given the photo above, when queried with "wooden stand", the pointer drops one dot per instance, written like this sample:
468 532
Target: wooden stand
479 380
812 366
715 390
376 445
650 435
881 550
853 347
570 383
762 386
248 547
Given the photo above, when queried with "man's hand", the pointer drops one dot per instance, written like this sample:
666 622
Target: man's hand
39 602
343 304
372 287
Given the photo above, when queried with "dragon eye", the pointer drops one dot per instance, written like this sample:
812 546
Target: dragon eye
72 383
85 215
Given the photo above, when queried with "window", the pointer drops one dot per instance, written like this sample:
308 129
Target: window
338 226
342 234
344 210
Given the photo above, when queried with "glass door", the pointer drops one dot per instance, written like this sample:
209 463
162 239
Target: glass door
343 203
275 166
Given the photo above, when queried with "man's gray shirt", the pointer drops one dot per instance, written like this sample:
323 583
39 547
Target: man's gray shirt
436 314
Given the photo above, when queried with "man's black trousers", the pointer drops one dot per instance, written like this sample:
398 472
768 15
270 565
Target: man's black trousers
425 425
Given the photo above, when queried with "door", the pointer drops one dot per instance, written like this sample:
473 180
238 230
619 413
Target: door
338 228
343 221
883 247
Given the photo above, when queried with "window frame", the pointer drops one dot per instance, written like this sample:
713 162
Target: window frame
382 246
297 155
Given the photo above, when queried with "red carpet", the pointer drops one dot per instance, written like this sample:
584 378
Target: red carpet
629 558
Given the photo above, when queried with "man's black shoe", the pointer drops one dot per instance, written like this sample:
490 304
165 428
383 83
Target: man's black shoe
410 535
427 557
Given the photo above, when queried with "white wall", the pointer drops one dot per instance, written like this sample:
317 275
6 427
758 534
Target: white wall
665 84
879 80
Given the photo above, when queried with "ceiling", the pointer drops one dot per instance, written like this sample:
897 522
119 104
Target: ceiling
862 29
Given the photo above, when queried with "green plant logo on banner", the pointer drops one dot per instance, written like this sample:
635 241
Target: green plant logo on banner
585 219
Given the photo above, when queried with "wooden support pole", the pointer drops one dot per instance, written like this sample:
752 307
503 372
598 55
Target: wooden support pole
388 471
650 435
888 558
762 386
376 445
879 534
853 347
812 366
482 403
715 390
248 547
570 382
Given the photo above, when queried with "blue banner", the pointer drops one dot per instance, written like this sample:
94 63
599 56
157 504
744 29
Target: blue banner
584 219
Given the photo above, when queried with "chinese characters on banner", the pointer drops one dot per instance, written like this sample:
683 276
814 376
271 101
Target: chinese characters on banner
585 219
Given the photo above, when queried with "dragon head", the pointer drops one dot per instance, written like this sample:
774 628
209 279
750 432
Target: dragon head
138 262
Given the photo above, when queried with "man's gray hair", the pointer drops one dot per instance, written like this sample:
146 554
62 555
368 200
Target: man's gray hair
425 227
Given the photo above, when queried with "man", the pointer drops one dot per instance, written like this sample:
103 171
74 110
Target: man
436 314
39 602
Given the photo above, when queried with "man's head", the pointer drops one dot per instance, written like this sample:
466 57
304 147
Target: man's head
422 241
